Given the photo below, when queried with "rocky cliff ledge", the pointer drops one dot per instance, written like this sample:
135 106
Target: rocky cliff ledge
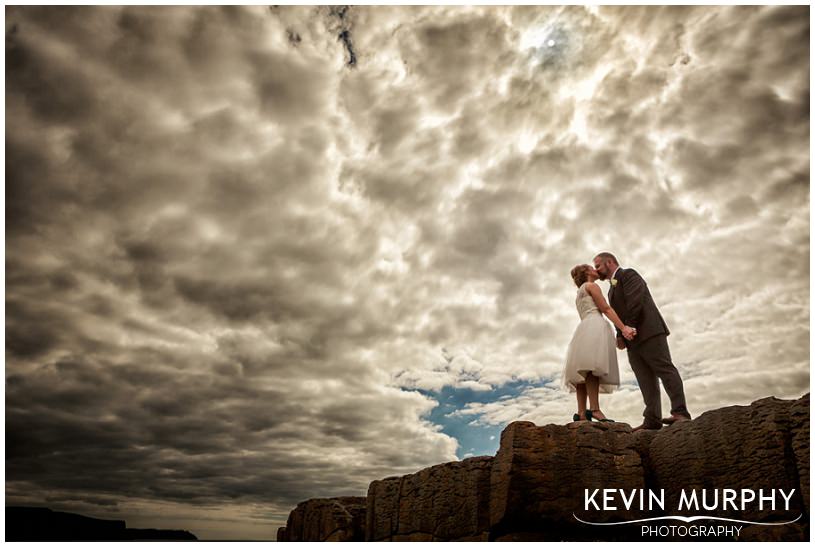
535 487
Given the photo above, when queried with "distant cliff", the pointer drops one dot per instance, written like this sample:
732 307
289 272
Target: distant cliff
42 524
535 487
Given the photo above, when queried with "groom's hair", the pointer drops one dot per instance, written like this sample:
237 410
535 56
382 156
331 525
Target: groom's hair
608 256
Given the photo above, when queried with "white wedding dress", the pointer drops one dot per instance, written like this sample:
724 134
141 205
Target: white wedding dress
592 349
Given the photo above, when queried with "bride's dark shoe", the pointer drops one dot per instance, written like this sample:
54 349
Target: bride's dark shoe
577 418
589 415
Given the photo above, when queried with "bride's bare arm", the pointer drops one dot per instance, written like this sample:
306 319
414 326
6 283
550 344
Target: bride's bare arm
605 309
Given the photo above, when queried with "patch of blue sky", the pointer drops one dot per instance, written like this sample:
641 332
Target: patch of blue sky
473 439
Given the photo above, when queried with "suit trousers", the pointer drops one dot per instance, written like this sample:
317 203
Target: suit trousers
651 361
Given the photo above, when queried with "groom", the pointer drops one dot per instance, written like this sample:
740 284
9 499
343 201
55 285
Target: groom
648 352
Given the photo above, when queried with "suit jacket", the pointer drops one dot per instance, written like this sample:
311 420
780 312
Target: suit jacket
633 303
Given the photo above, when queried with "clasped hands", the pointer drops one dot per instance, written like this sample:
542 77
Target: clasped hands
629 332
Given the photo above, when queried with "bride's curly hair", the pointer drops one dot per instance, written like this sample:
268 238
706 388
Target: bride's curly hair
580 274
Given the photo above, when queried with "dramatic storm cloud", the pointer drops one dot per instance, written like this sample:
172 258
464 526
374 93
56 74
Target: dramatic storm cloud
259 255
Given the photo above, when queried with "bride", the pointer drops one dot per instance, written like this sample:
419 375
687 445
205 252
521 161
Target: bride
591 362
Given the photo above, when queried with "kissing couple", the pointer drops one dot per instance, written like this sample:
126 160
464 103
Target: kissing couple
591 362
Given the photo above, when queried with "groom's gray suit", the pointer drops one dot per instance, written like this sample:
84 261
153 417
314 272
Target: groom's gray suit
648 352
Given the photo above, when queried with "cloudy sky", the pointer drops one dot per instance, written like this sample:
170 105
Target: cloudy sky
259 255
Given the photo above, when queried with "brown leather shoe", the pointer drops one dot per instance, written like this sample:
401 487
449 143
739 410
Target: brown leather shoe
644 427
675 418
